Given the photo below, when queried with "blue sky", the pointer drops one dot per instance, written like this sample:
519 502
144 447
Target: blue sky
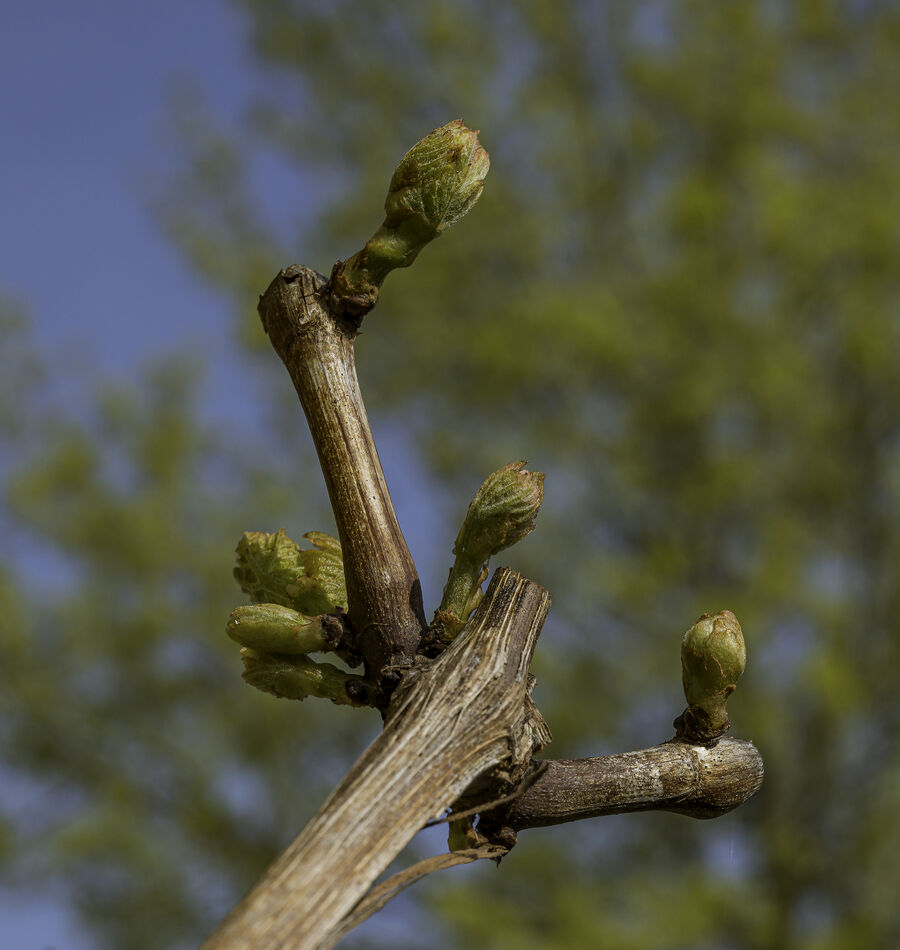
82 100
83 95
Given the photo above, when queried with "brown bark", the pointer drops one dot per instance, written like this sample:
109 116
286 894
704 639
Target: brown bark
675 776
385 597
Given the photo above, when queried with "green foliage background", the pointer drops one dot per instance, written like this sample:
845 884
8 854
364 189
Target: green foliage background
680 297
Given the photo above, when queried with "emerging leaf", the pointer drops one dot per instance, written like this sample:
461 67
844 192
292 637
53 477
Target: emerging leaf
273 569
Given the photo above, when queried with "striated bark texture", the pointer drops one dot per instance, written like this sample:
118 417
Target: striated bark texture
383 588
462 715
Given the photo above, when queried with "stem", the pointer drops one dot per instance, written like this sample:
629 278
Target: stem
464 583
385 600
675 776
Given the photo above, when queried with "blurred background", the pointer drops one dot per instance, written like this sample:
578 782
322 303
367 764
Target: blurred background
679 296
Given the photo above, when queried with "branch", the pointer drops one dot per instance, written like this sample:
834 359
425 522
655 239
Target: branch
460 729
676 776
384 595
456 719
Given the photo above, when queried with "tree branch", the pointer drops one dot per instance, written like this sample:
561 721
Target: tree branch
676 776
455 719
461 729
385 598
692 780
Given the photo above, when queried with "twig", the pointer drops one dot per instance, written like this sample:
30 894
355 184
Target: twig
389 889
385 599
462 715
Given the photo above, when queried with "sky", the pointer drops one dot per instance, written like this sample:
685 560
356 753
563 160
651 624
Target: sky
83 104
84 89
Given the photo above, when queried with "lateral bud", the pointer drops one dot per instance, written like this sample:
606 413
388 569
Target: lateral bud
713 657
501 513
273 569
277 629
296 677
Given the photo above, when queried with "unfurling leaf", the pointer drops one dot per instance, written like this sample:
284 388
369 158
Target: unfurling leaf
273 569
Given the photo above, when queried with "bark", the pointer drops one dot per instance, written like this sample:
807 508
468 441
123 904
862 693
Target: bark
383 587
676 776
462 715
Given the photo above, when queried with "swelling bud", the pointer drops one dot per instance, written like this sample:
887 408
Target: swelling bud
273 569
296 677
713 657
277 629
437 182
501 513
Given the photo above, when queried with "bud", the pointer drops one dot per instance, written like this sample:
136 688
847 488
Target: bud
438 181
713 657
321 589
296 677
272 569
276 629
502 512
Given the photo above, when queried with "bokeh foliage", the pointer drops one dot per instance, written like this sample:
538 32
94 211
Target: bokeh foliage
680 297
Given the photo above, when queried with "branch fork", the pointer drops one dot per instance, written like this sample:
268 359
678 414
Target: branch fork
461 730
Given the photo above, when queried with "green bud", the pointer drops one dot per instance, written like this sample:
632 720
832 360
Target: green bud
296 677
502 512
277 629
438 181
272 569
713 657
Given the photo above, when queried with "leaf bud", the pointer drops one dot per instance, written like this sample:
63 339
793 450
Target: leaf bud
438 181
713 657
296 677
501 513
273 569
276 629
